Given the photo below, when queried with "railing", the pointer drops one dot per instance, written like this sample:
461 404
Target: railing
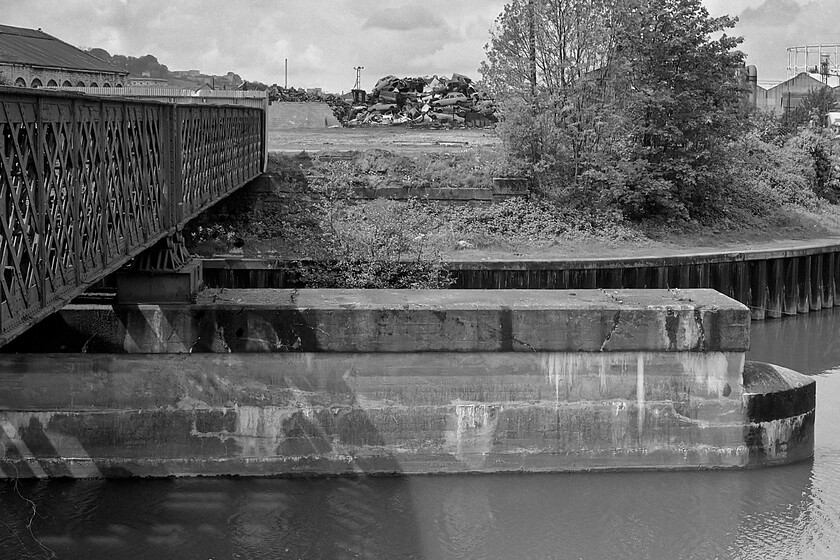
87 183
179 95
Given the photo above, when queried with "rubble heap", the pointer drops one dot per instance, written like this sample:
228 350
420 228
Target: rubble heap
435 101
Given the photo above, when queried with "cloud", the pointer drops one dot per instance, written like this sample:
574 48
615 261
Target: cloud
729 7
404 19
774 13
773 25
322 39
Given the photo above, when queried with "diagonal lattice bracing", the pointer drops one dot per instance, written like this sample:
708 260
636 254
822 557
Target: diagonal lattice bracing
87 183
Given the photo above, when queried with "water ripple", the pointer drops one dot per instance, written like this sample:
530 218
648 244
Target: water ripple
790 512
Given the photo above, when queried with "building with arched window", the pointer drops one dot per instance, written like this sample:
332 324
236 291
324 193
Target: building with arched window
32 58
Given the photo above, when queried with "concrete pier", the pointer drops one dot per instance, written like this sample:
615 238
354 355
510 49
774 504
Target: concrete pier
340 382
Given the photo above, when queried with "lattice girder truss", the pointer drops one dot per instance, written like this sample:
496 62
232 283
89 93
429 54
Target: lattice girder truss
87 183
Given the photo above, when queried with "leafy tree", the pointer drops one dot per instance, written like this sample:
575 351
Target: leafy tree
572 38
135 66
683 95
634 102
817 104
572 41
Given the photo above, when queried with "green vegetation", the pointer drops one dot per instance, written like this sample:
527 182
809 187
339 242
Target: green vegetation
631 103
630 123
338 240
635 106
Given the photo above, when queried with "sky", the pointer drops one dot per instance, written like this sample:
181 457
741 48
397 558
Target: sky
324 40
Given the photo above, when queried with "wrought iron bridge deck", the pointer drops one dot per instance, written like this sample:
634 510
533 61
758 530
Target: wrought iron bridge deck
87 183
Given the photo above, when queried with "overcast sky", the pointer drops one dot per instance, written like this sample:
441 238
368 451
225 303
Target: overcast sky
324 39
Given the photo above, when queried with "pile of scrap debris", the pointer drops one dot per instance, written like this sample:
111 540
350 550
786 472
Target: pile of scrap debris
435 101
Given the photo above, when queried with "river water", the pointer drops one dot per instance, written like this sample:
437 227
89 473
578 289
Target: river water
790 512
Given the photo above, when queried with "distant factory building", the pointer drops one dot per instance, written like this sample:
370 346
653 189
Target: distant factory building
32 58
809 67
787 95
147 81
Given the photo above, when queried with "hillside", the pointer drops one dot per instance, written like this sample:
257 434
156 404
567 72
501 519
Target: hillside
149 66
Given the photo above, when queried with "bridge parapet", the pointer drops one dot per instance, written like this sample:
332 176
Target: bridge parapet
87 183
180 95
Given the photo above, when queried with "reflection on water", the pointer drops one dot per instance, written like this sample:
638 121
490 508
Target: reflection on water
809 343
779 513
784 512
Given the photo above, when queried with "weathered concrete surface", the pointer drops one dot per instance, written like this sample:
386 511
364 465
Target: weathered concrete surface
779 404
408 321
285 115
45 382
181 286
309 413
283 186
283 382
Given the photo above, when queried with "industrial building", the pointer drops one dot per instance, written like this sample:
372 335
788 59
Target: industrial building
809 67
32 58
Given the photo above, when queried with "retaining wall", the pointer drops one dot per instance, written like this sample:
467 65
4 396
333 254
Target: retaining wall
771 283
291 115
273 189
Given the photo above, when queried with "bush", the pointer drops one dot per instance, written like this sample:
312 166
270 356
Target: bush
763 179
518 221
779 174
824 175
380 244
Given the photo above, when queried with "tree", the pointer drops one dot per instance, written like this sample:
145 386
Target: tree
548 95
571 38
635 99
134 66
815 107
683 94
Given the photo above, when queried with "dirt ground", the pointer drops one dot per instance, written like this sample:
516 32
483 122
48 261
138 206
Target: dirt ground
589 249
393 138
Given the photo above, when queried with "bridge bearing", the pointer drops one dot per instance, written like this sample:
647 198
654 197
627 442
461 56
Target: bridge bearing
164 273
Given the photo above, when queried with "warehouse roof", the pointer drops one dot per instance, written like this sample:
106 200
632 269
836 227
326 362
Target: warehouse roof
19 45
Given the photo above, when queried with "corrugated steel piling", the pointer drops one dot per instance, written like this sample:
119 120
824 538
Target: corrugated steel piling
773 283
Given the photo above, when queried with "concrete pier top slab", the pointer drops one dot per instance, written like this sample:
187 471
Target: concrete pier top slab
413 321
334 299
505 320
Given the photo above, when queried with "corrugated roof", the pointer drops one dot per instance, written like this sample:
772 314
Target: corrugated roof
19 45
801 81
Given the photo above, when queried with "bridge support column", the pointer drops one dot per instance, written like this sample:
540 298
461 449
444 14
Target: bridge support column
164 273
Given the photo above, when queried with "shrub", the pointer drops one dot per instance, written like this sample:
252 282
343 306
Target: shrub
519 221
824 176
379 244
